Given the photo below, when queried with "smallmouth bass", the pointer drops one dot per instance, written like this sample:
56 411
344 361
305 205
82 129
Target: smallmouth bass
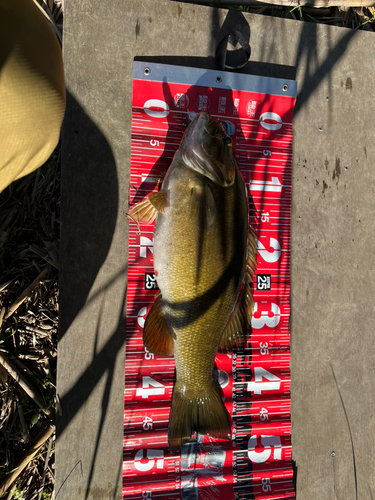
204 260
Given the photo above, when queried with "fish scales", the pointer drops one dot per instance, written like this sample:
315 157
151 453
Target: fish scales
198 269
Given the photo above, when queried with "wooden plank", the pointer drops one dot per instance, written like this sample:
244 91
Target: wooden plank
332 234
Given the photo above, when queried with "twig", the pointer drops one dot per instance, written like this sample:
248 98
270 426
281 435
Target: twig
23 383
22 420
350 433
9 218
27 292
54 496
36 182
42 438
3 286
2 312
10 496
287 3
44 256
22 367
45 332
45 468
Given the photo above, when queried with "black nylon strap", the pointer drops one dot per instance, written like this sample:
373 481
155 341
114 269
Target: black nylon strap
232 59
234 35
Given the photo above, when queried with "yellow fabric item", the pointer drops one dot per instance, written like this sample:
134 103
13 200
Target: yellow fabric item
32 91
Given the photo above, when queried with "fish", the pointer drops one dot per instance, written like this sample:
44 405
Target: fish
204 260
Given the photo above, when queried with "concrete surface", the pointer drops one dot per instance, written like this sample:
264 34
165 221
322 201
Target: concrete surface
332 235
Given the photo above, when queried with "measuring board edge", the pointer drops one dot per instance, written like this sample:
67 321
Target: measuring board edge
214 79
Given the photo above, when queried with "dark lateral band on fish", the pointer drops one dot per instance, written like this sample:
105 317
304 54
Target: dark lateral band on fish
177 313
204 260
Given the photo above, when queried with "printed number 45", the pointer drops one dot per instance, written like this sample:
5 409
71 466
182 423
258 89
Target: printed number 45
147 423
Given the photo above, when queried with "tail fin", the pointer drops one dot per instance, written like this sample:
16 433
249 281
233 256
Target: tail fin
201 410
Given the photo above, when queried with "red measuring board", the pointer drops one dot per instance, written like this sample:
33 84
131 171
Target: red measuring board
255 382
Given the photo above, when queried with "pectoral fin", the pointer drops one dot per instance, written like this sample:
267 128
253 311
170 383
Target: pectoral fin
145 212
234 334
158 338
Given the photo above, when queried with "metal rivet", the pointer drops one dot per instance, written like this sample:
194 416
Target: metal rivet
285 87
333 454
218 79
320 128
147 71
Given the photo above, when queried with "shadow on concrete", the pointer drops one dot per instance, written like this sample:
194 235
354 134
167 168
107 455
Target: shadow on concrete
313 76
235 28
90 204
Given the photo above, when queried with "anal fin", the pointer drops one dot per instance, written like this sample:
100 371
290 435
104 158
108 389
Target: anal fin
158 338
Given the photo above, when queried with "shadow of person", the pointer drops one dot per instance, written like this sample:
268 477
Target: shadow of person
89 206
89 213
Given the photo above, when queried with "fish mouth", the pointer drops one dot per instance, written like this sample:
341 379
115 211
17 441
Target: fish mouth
208 150
223 172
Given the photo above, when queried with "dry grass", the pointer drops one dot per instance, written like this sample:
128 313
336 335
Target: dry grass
29 244
29 264
362 18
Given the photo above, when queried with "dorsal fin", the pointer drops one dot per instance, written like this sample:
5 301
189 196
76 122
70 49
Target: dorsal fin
235 332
